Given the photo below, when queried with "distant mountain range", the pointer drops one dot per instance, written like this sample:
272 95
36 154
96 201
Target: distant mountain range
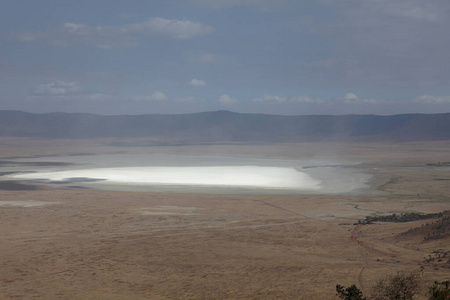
226 126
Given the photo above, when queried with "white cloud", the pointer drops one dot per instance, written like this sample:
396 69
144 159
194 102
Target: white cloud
115 36
305 99
156 96
433 99
57 95
270 99
95 97
92 97
183 29
56 88
351 98
197 82
279 99
227 100
72 33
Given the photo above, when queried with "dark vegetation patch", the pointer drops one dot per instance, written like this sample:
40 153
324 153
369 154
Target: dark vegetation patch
438 258
400 286
439 164
401 218
438 229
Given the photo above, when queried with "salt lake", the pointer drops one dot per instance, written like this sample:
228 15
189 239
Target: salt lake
190 173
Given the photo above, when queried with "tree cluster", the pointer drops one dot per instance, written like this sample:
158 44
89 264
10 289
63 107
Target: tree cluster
400 218
400 286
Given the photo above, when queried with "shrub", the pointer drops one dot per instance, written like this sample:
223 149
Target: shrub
401 286
349 293
440 291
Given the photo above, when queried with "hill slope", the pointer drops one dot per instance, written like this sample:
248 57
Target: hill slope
225 126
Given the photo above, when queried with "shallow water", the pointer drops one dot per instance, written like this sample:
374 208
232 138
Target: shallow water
208 174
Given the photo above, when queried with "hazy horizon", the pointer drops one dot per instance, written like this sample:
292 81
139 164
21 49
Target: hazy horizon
226 110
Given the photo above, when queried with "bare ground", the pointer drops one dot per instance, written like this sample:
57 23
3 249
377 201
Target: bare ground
86 244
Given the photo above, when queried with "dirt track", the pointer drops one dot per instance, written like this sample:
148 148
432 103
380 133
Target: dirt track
85 244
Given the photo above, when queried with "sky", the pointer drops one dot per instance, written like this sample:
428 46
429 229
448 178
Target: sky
287 57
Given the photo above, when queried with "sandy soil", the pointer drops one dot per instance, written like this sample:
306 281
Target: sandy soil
87 244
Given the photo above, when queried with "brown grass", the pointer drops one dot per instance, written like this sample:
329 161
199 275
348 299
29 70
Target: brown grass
88 244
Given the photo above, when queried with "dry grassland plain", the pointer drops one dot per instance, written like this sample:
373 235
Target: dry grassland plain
59 243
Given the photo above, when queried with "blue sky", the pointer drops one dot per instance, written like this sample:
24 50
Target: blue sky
258 56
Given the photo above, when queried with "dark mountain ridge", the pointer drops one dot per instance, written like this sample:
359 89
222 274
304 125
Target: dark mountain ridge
226 126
